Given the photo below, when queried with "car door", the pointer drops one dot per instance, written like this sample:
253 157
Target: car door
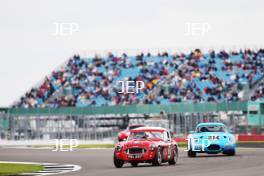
170 146
167 148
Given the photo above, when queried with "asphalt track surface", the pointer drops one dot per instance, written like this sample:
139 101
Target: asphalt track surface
98 162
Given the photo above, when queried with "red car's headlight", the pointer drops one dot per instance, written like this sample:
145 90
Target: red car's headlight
151 147
118 148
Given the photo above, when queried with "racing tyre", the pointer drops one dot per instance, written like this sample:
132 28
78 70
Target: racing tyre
118 163
134 164
174 160
158 158
230 153
191 153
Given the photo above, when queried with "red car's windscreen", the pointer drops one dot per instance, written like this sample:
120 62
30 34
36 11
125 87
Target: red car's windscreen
146 135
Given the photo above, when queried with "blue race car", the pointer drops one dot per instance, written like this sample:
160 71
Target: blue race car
211 138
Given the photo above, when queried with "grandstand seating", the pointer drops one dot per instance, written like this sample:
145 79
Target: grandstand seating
259 92
193 77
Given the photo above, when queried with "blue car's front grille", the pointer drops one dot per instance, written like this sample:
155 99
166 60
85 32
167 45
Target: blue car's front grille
213 147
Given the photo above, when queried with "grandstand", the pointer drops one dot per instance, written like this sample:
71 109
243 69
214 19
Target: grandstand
182 77
80 99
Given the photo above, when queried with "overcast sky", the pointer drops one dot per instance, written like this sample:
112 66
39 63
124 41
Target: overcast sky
30 50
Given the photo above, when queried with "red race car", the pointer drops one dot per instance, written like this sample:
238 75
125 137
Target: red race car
146 145
124 134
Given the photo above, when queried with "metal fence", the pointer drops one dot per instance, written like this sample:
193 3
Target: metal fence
66 127
95 123
4 122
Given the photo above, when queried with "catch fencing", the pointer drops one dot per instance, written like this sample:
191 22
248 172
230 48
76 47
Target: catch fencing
95 123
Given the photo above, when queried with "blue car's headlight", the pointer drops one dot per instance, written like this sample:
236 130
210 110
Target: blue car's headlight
195 140
232 139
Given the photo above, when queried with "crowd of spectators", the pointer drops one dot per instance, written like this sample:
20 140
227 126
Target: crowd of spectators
258 94
197 69
195 77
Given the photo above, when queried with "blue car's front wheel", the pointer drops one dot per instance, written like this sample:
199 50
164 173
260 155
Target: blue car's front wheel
191 153
230 152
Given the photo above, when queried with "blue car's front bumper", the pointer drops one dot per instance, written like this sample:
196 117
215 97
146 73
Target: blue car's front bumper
213 147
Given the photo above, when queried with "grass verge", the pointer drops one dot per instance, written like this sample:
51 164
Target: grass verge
10 169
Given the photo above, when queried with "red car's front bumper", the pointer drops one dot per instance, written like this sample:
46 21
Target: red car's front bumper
145 157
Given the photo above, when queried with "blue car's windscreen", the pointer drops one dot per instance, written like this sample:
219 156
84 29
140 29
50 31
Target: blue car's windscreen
213 128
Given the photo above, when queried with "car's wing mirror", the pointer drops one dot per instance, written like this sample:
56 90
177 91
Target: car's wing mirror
122 137
172 134
231 131
191 132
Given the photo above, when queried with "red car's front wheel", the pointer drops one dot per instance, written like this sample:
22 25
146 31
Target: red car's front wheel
158 158
174 160
118 163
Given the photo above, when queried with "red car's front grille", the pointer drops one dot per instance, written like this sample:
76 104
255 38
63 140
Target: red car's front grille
135 151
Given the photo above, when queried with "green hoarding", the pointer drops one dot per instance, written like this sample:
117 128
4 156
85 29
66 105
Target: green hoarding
133 109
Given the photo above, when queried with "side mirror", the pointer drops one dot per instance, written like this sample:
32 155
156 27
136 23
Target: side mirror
122 137
172 134
231 131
